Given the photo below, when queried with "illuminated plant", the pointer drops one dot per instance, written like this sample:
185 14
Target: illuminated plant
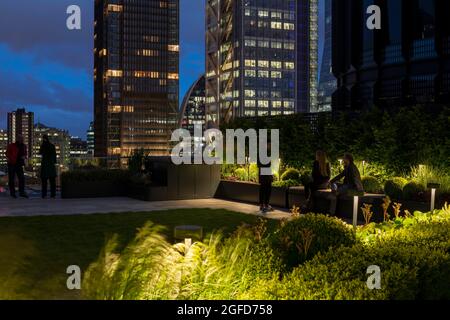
386 204
397 209
367 212
295 212
307 237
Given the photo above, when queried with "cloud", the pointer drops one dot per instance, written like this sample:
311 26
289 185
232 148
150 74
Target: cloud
39 28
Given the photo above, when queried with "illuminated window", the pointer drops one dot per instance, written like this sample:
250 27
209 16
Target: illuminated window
263 104
103 53
250 43
276 104
173 76
115 8
250 73
289 104
276 25
114 109
163 4
263 63
146 74
114 73
250 103
276 74
276 15
289 65
249 93
250 63
174 48
289 26
248 12
276 64
263 73
277 45
263 13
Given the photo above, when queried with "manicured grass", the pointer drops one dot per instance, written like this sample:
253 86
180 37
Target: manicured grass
35 251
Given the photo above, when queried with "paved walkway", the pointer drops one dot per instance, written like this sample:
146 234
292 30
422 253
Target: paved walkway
36 206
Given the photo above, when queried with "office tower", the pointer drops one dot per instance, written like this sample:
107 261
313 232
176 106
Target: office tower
261 58
3 146
407 62
21 122
327 81
135 77
78 148
60 138
193 107
90 139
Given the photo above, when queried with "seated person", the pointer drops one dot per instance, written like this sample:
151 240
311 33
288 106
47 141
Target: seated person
352 178
321 175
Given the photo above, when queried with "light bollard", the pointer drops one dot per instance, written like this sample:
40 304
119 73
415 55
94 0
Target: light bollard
355 210
433 187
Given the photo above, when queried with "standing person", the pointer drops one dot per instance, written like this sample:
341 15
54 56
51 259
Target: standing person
16 154
48 170
321 175
265 182
351 175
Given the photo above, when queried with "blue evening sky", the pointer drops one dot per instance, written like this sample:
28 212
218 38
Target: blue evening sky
48 69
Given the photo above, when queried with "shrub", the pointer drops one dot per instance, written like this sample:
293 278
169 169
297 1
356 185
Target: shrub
291 174
371 185
412 272
394 187
286 184
413 191
306 179
301 239
241 174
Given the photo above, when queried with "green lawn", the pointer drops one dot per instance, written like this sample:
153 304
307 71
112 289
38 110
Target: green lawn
35 251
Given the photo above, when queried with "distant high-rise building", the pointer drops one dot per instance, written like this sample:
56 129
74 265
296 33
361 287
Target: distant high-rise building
90 136
21 122
136 76
193 107
407 62
261 58
60 138
3 145
78 148
327 81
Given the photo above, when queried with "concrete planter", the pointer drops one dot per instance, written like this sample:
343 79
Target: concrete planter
249 192
178 182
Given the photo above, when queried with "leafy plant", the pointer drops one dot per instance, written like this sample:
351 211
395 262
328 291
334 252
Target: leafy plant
414 191
371 185
397 209
286 184
394 187
367 212
386 204
329 232
291 174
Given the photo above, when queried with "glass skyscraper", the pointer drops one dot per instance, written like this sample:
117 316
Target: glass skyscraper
327 81
261 58
193 106
407 62
136 76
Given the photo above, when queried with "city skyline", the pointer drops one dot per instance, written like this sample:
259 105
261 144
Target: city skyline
47 69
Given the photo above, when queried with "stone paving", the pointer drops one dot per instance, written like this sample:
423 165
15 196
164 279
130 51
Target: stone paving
35 206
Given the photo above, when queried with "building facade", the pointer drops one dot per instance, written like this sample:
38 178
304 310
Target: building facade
136 76
406 62
327 81
60 138
90 138
21 122
3 146
261 58
192 110
78 148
